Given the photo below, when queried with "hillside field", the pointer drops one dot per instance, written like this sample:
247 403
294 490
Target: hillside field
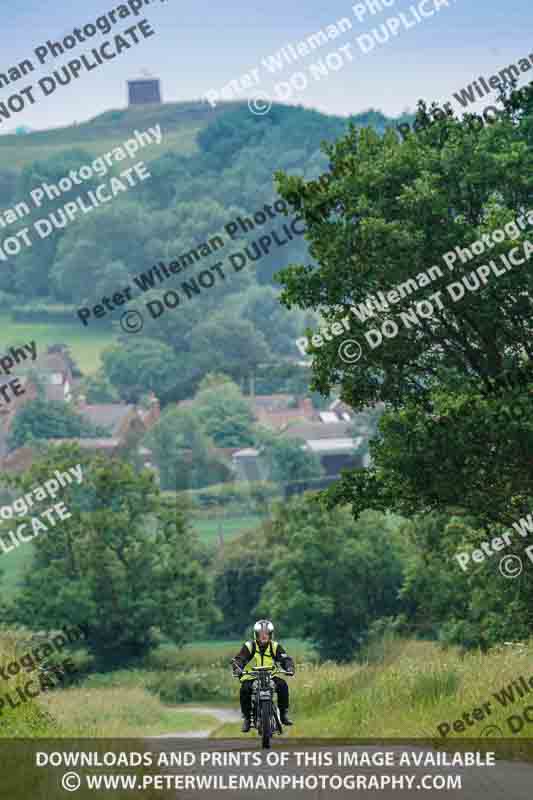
180 123
86 345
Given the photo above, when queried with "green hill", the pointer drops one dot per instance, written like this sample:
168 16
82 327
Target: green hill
212 166
180 122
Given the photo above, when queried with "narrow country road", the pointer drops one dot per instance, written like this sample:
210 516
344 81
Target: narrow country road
504 781
219 713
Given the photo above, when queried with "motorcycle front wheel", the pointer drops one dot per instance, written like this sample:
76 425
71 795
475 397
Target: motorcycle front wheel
266 715
276 721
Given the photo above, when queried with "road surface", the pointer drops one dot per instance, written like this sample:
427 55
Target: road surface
221 714
505 780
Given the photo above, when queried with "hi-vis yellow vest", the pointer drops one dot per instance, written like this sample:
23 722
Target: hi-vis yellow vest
258 660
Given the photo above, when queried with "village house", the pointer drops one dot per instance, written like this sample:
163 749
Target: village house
125 423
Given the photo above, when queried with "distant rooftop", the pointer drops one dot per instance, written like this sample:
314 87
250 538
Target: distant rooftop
329 445
108 415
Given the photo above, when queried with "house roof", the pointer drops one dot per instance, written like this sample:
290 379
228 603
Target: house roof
55 392
54 362
328 417
319 430
334 445
109 415
273 411
271 402
45 364
19 460
246 453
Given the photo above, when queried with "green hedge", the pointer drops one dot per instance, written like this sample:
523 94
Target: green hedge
242 494
42 312
195 686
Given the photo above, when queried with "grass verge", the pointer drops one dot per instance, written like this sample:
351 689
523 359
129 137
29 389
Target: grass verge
127 712
417 687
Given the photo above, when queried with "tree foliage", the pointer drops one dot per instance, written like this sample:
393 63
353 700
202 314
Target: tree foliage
137 367
225 415
332 577
287 459
43 419
126 564
463 608
391 210
183 451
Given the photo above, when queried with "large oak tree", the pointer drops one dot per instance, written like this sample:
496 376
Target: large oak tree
390 210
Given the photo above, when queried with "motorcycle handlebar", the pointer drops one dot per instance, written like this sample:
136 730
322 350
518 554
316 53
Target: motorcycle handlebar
260 669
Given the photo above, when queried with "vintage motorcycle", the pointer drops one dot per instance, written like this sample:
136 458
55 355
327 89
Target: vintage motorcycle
265 713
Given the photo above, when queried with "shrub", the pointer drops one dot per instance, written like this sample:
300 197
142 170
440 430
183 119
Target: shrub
241 495
194 686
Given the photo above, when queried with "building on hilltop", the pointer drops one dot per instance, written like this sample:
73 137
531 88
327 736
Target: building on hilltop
144 91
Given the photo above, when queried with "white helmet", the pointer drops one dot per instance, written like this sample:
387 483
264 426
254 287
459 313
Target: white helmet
263 625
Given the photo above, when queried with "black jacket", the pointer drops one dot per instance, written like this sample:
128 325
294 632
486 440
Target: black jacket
280 656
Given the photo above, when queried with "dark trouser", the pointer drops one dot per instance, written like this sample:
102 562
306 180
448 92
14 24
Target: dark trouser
246 696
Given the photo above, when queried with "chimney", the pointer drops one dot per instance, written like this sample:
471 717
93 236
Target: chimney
307 406
154 410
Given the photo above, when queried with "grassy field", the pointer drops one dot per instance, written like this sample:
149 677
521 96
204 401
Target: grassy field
85 345
209 529
180 123
15 156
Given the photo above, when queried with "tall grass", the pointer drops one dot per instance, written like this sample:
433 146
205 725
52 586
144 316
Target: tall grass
408 693
27 719
129 712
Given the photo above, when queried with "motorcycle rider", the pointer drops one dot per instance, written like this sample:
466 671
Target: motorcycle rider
262 652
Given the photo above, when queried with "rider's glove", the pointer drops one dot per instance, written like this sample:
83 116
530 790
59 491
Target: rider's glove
236 669
288 665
